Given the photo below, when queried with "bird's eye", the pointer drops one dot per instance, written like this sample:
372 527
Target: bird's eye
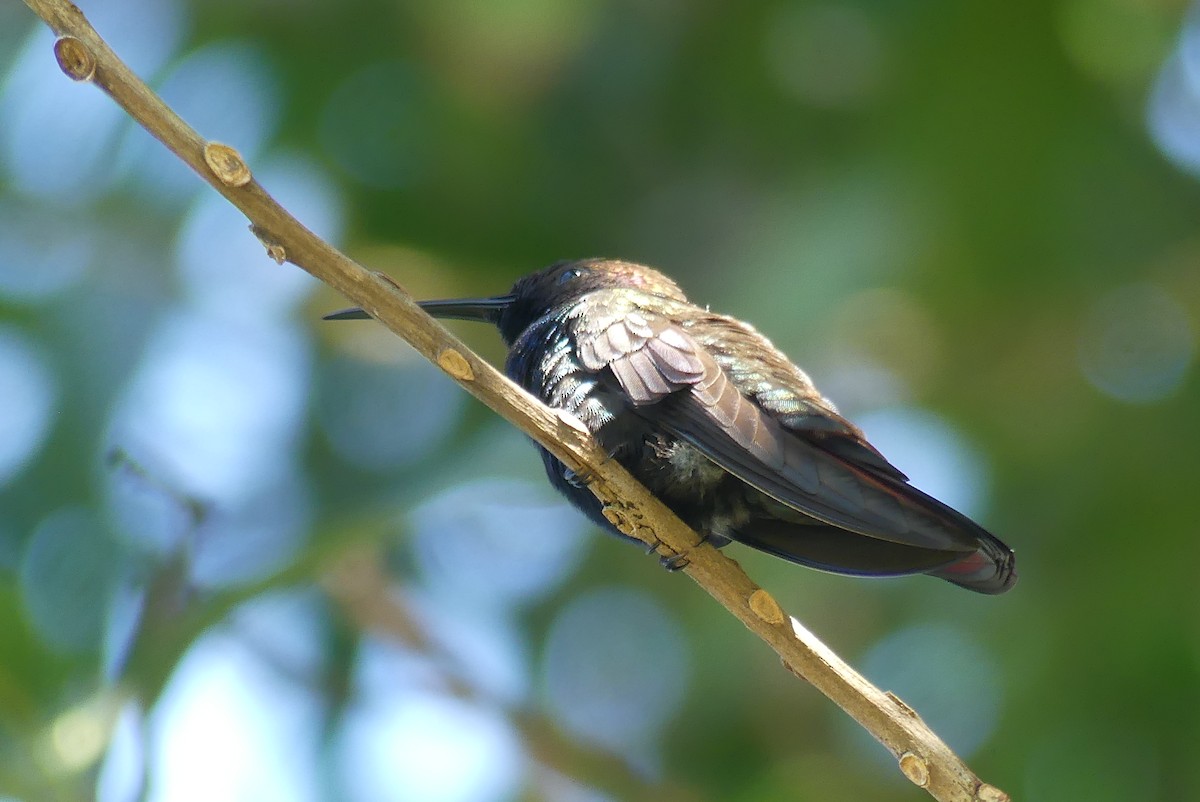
569 275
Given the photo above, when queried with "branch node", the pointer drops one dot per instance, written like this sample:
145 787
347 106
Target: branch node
612 513
226 164
275 249
384 277
915 768
764 606
455 364
900 703
990 793
74 58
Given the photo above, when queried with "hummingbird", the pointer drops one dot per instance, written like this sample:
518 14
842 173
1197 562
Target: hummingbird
722 427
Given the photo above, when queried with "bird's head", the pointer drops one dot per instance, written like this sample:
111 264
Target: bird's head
539 293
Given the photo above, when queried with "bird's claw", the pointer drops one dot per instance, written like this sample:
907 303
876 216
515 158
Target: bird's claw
675 562
580 480
672 562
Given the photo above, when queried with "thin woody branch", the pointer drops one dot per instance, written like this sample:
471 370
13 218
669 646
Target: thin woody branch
367 597
922 756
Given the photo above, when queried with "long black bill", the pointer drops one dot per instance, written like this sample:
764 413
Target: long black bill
487 310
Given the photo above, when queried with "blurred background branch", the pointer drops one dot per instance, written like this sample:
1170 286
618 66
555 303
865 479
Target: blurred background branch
372 603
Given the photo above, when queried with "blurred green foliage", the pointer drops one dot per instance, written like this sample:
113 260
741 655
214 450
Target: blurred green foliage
952 207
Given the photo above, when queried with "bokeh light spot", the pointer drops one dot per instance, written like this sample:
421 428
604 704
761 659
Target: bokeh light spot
66 579
145 32
497 541
29 400
144 509
216 404
229 727
1173 113
485 642
41 253
1137 344
127 603
213 418
57 137
79 735
244 541
597 685
881 343
287 627
227 91
947 675
122 771
422 747
63 158
225 268
933 455
380 416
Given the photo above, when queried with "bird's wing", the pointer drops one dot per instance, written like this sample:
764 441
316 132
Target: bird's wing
657 362
789 396
736 434
829 431
650 357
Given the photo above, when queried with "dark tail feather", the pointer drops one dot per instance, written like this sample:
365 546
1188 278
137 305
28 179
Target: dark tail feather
990 570
827 548
838 551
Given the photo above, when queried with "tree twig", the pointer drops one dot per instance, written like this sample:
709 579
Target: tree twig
359 585
922 756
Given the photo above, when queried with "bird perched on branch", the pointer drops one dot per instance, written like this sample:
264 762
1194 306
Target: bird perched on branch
721 426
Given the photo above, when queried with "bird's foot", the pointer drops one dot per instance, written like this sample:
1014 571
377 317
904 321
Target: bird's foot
672 562
579 480
675 562
680 560
582 479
